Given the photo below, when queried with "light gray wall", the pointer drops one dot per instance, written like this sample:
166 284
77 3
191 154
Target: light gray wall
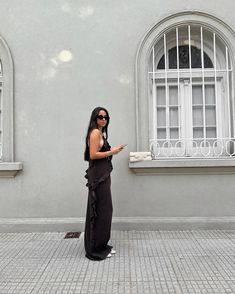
54 99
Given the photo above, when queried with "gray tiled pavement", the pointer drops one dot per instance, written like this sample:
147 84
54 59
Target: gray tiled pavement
146 262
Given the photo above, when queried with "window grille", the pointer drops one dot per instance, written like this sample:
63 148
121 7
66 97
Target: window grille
190 85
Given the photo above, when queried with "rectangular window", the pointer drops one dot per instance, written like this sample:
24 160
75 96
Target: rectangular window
189 124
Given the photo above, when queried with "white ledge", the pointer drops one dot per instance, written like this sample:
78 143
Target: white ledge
184 166
140 156
10 169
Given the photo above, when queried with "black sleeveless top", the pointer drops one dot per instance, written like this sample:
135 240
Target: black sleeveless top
99 169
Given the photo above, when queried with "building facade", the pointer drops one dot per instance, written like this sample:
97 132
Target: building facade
165 72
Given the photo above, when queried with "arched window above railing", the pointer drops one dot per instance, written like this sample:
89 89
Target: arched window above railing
186 109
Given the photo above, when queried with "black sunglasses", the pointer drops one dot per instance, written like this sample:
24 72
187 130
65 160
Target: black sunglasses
103 117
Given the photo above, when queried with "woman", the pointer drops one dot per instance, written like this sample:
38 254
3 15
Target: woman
99 207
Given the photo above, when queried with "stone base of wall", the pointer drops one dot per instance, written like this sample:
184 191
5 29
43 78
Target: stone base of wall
119 223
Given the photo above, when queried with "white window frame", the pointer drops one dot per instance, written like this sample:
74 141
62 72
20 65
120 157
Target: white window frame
220 72
143 134
185 116
8 166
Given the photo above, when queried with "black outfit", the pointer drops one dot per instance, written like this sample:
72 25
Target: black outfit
99 207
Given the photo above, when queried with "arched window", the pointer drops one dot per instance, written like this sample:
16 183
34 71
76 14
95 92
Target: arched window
183 58
6 103
1 111
8 166
190 101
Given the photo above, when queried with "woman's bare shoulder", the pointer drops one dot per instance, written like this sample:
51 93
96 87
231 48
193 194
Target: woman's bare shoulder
95 133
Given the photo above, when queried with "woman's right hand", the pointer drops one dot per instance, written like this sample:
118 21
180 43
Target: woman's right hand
117 149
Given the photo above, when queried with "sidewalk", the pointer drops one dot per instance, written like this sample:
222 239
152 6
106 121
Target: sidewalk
145 262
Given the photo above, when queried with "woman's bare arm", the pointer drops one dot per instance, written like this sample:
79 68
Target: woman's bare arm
94 147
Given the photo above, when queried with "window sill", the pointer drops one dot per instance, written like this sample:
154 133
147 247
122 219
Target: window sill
184 166
10 169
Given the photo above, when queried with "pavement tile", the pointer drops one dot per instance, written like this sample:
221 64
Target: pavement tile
179 262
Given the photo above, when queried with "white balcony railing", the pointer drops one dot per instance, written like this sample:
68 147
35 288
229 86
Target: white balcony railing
194 148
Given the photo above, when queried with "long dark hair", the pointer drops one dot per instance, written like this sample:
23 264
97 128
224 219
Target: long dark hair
93 125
